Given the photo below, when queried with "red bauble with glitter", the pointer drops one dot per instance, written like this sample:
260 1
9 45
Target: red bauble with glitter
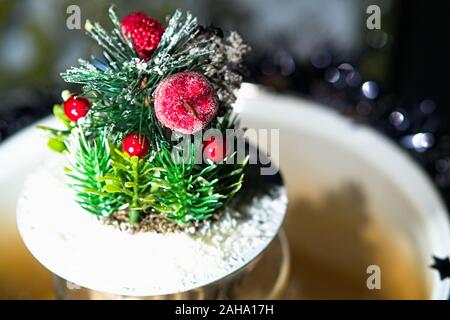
76 108
215 149
144 31
135 145
185 102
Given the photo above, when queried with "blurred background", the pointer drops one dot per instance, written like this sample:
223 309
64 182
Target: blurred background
394 79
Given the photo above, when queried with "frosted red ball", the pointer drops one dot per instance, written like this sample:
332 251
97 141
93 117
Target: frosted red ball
144 31
185 102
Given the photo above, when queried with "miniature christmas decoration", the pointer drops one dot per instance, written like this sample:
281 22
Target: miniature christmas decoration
133 203
151 81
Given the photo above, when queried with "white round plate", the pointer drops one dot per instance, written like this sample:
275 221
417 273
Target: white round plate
355 200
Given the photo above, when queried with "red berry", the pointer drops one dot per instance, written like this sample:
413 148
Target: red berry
215 149
76 108
185 102
135 145
144 31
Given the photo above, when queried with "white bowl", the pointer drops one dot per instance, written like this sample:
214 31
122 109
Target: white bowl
388 202
355 200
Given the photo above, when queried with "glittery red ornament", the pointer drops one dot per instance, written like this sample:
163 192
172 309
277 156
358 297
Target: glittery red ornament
215 149
76 108
185 102
144 31
135 145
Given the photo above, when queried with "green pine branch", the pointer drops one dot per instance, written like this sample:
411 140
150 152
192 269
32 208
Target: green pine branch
129 181
106 180
190 192
90 160
181 191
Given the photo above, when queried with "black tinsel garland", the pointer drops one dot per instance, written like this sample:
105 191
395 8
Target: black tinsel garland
416 126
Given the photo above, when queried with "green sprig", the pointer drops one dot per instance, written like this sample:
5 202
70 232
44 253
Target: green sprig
89 161
57 138
129 180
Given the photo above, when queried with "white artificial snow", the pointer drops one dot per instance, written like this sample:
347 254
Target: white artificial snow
76 246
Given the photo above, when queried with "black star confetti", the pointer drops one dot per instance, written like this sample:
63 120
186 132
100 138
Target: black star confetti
442 266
